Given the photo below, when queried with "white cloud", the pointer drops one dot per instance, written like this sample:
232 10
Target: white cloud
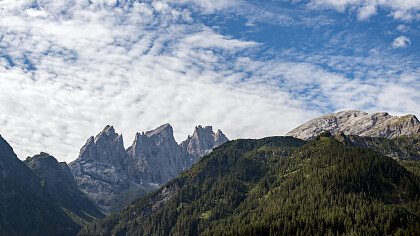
36 13
366 11
401 42
209 39
133 67
402 28
210 6
401 9
136 67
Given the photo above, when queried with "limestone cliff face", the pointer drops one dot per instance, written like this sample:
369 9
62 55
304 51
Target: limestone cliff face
359 123
202 142
114 176
154 157
98 170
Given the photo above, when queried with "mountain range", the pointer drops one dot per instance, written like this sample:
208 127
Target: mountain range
113 175
209 185
278 186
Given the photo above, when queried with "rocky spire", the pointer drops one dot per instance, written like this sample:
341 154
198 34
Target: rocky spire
98 169
107 145
202 142
154 157
106 171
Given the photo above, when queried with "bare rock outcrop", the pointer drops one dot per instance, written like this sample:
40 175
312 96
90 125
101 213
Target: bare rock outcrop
360 123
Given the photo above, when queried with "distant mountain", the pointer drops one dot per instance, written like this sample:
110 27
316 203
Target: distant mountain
58 181
278 186
25 207
359 123
202 142
114 176
99 173
154 157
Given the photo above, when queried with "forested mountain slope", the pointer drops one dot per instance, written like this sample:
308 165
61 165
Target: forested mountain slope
25 208
58 181
278 186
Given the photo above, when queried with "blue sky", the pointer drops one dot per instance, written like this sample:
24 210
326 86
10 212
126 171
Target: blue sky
250 68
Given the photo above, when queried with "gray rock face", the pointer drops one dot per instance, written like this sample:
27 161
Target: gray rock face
98 169
154 157
202 142
113 176
359 123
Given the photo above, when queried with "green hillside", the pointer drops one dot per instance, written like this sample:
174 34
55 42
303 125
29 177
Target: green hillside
279 186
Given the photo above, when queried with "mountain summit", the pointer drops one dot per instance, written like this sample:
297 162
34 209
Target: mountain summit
202 142
98 169
360 123
154 157
114 176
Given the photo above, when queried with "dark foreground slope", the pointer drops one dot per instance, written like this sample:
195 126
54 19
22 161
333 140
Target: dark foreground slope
58 181
25 208
278 186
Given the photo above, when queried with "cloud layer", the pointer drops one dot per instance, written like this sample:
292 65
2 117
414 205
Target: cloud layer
401 9
68 68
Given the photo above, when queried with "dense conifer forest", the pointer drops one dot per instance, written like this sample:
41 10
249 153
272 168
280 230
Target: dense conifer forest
280 186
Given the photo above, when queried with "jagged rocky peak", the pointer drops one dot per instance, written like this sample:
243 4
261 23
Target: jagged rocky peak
98 170
107 171
107 145
164 130
154 157
220 138
203 141
360 123
162 135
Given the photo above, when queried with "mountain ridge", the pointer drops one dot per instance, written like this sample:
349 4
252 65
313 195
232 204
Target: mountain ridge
60 184
278 186
354 122
114 175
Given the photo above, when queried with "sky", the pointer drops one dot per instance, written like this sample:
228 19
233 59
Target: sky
251 68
